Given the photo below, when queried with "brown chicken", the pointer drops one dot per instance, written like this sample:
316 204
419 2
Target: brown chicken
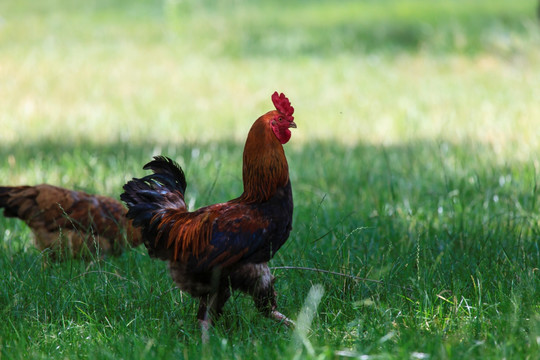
70 223
223 247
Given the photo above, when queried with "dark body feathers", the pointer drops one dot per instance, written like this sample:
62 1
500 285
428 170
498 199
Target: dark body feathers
221 235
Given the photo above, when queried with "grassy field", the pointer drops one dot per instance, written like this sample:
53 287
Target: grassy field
415 163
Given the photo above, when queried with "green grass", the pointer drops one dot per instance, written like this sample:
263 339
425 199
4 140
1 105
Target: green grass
414 163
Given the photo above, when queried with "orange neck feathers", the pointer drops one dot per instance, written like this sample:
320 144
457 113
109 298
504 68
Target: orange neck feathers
265 166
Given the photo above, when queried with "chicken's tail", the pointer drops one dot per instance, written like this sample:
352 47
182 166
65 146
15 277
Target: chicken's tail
150 197
14 201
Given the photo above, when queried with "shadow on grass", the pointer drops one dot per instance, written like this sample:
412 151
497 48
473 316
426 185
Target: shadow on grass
362 203
388 36
324 29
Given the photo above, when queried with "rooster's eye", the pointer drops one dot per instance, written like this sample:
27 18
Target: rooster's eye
280 119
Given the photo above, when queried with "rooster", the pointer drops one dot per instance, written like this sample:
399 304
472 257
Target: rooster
223 247
70 223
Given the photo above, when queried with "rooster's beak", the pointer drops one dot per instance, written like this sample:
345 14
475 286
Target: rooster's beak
292 124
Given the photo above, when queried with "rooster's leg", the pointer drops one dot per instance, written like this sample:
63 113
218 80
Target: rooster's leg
257 281
265 301
210 309
204 319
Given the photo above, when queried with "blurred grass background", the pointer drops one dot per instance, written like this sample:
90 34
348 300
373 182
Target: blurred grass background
415 162
381 72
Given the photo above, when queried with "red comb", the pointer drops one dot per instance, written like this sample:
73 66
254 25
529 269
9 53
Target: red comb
283 105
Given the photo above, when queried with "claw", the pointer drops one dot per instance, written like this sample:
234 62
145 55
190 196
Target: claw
276 315
205 325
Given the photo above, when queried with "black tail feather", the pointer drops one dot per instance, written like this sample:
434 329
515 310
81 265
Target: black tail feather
148 196
3 195
3 201
11 208
169 170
